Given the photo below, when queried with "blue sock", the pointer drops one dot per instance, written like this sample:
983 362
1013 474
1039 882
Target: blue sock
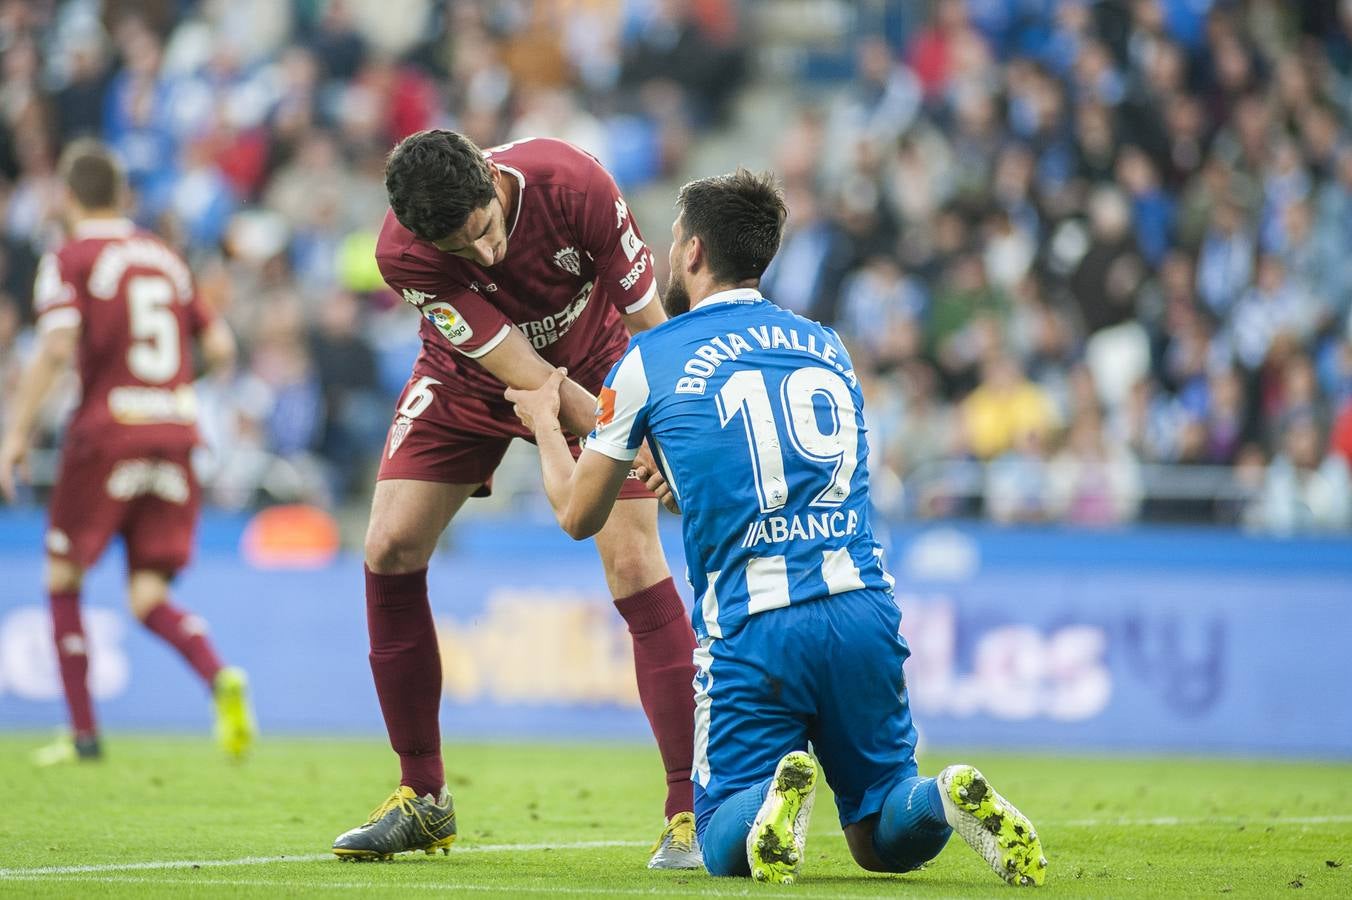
911 829
724 839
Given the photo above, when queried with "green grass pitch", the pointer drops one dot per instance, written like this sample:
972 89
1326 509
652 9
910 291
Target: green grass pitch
166 816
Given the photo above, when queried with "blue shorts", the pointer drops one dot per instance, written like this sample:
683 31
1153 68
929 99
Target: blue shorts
827 671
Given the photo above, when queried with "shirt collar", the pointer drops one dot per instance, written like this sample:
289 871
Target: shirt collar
520 197
736 295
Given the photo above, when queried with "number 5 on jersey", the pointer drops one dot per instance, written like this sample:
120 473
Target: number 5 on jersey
155 354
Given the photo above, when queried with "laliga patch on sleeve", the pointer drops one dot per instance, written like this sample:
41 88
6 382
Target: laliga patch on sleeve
448 322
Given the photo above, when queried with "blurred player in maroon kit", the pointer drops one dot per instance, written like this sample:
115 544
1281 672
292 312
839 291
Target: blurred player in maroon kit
519 259
121 304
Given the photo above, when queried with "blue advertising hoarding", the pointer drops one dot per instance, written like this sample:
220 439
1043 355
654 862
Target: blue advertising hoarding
1176 640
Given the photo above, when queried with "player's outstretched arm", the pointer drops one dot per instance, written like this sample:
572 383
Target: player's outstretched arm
55 354
650 316
515 363
581 493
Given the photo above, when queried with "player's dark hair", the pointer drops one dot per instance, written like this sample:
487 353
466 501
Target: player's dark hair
739 218
92 174
435 179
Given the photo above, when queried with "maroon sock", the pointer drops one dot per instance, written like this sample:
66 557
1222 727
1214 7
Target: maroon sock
72 654
186 633
406 663
664 646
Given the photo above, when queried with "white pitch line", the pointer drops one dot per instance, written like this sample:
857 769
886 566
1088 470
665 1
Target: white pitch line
161 864
663 888
307 857
577 845
38 873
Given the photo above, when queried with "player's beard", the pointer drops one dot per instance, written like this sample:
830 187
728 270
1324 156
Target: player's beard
676 299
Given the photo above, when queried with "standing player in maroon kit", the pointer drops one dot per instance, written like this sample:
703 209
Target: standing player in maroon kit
119 302
520 259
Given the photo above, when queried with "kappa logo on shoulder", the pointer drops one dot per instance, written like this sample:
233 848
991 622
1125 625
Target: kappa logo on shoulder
417 298
621 212
568 259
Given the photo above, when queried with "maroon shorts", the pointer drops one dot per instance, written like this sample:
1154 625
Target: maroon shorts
442 435
151 500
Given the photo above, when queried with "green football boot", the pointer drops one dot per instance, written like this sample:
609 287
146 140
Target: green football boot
998 832
774 847
403 822
236 727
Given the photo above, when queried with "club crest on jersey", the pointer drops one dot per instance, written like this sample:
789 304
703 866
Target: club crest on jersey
417 298
448 322
569 260
398 433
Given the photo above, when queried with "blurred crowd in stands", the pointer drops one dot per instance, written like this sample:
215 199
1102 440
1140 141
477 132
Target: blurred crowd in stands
254 133
1081 242
1093 259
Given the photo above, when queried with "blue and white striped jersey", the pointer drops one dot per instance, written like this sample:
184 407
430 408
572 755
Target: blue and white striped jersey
756 418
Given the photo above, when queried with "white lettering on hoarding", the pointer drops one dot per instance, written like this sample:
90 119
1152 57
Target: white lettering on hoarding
1017 672
28 668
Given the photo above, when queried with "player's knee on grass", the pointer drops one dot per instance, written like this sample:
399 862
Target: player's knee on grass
63 576
859 838
905 856
145 591
724 847
912 852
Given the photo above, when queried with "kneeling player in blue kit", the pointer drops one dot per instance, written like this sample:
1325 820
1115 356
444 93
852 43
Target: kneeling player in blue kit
755 418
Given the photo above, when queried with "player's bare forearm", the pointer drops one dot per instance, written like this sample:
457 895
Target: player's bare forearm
577 409
649 316
556 468
581 494
55 353
515 363
538 409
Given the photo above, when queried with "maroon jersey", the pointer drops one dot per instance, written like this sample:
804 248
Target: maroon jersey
575 261
133 300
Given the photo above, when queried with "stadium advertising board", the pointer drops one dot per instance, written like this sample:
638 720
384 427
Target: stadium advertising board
1182 641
